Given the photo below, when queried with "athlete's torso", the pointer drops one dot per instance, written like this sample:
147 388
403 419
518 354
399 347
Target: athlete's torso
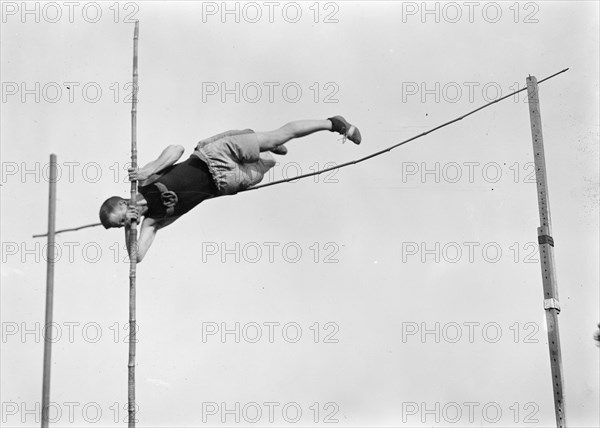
190 180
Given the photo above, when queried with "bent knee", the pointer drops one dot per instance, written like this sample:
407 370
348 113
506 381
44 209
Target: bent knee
270 140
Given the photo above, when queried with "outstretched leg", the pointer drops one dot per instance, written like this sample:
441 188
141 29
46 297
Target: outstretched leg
300 128
273 140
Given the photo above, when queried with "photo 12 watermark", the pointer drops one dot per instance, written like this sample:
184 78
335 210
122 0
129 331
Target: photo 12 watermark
252 12
469 252
466 172
270 252
269 412
67 92
67 252
270 92
455 92
452 12
53 12
469 332
270 332
66 331
67 413
474 413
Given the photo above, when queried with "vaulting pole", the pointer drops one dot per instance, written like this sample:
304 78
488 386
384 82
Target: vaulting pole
133 238
546 246
49 292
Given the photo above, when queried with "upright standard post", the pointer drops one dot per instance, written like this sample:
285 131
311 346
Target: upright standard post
49 292
546 246
133 238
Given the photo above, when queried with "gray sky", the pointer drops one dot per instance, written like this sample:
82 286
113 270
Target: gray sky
439 235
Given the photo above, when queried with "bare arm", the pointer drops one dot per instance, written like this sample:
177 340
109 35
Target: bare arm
146 174
146 237
148 231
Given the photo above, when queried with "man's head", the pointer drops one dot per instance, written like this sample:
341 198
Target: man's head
113 212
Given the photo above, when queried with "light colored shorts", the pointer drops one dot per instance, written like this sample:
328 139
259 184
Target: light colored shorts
234 160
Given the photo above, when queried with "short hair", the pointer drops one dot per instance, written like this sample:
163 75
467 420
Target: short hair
108 207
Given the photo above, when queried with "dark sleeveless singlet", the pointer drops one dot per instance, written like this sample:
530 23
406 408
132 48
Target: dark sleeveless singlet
190 181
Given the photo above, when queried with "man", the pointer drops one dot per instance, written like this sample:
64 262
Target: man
221 165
